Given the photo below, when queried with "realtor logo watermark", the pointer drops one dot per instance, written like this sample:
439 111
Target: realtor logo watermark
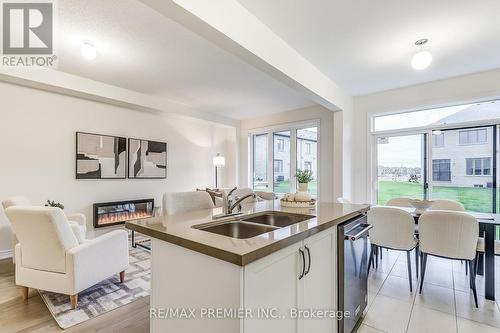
28 34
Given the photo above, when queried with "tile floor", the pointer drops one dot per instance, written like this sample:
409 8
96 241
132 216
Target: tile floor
446 304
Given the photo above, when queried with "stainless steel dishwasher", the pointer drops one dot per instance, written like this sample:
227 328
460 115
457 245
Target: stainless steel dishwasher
352 271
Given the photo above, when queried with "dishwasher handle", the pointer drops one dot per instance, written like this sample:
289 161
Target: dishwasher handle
354 237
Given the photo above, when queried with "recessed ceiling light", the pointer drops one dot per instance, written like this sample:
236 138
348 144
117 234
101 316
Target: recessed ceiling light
422 59
88 50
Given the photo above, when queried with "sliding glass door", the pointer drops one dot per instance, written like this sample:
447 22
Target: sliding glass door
401 164
462 167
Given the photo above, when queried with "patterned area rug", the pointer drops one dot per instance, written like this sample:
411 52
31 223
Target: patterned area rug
105 296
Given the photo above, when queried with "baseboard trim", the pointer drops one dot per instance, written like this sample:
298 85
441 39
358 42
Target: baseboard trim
4 254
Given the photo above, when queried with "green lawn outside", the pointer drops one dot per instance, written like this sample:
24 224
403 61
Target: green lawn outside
284 187
474 199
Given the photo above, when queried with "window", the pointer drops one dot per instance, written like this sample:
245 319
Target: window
277 153
281 166
438 140
471 137
278 166
308 147
280 145
441 171
307 150
260 162
478 166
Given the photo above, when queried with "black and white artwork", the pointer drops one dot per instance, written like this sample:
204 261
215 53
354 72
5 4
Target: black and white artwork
100 156
147 159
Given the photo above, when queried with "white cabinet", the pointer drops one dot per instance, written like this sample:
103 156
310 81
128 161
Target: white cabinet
320 282
273 283
299 277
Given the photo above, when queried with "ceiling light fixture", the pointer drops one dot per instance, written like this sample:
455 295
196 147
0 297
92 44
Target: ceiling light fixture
437 132
422 59
88 50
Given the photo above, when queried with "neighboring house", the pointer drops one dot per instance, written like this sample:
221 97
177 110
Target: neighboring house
463 157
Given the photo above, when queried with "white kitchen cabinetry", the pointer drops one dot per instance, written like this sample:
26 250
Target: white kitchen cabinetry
181 278
299 277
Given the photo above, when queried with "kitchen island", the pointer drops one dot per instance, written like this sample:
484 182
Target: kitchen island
203 281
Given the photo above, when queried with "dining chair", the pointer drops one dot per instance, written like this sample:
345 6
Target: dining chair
399 202
393 228
445 204
451 235
183 202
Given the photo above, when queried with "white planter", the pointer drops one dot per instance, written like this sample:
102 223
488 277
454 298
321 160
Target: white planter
303 194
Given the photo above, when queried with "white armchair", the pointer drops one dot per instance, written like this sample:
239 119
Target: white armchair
77 221
49 257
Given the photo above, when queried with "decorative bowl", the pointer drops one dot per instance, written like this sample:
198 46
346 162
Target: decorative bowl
420 205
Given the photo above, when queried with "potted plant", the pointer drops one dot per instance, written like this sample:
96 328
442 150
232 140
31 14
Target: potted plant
54 204
304 177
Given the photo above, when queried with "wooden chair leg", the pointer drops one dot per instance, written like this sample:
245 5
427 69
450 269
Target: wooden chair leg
408 261
24 292
122 276
74 301
423 264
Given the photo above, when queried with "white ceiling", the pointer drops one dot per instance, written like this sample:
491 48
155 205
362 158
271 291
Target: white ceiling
141 50
366 46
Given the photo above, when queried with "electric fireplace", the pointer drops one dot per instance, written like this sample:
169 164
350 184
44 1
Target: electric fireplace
113 213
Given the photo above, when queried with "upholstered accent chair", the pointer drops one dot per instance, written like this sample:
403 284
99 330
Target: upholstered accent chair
77 221
49 256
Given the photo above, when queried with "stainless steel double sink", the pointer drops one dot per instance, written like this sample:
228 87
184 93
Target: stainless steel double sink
253 225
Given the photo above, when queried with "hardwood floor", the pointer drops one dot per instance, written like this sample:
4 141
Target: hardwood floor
17 315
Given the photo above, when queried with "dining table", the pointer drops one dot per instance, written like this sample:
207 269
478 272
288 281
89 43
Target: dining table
486 263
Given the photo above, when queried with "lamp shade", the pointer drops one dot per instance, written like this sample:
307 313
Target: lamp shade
219 160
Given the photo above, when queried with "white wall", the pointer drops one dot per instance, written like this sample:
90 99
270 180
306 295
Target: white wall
330 145
458 90
37 138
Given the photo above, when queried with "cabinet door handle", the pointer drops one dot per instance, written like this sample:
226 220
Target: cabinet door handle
303 264
308 260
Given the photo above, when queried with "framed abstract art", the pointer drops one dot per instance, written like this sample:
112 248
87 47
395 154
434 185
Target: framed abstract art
147 159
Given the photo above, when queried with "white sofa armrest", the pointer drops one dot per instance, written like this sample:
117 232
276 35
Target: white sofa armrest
78 218
97 259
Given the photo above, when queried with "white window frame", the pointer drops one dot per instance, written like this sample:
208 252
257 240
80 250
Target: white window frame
474 159
468 131
373 136
292 127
